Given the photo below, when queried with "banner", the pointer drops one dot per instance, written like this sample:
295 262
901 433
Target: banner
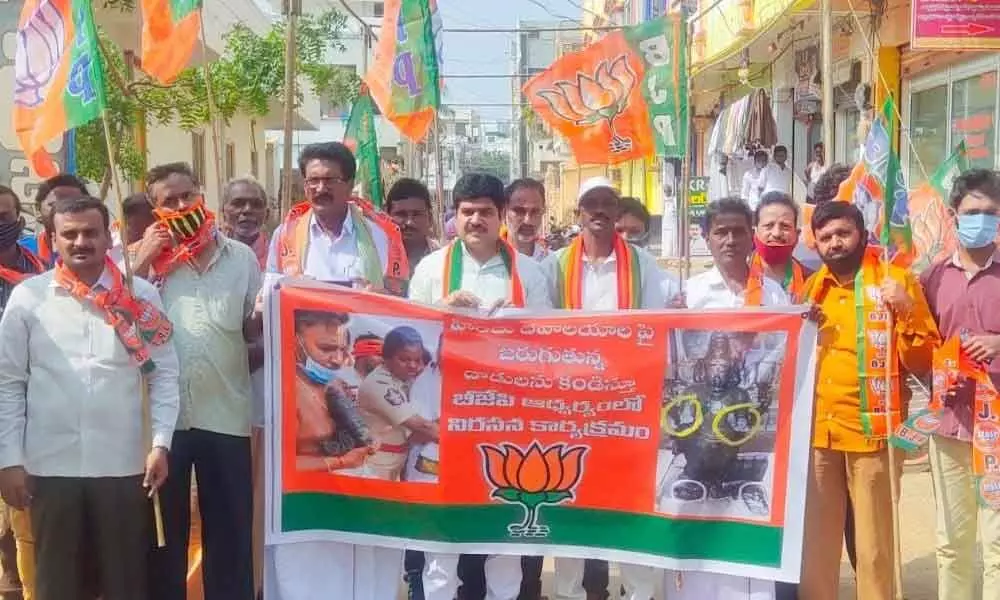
955 25
400 424
622 98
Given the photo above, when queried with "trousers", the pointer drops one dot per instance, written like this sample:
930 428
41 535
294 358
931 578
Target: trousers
639 581
441 581
335 571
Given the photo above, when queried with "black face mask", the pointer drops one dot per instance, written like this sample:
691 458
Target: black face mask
10 233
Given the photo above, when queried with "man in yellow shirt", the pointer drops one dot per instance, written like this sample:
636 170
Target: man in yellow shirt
862 303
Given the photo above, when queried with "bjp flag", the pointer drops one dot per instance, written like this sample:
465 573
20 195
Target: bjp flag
170 32
622 98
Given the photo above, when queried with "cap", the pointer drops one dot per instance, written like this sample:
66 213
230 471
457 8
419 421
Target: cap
595 183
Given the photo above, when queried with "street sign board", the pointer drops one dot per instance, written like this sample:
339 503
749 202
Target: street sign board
955 24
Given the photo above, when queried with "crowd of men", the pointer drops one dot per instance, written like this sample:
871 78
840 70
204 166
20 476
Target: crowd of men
90 340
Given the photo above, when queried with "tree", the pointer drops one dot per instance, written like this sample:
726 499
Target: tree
247 79
492 162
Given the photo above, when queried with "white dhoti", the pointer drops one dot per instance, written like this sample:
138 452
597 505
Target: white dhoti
503 577
697 585
639 581
335 571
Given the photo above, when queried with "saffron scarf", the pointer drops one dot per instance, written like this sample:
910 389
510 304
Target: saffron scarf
872 331
452 279
136 322
794 282
541 249
293 245
629 277
953 368
44 242
14 277
193 229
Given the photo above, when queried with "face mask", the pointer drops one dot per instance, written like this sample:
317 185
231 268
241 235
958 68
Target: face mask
317 372
977 231
638 240
10 233
184 223
773 255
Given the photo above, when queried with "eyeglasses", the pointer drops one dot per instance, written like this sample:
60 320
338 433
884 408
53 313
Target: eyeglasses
315 183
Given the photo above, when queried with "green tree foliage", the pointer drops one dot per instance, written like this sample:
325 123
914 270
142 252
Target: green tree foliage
492 162
248 79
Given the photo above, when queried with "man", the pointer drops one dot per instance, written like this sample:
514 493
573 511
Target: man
826 188
367 354
244 211
333 238
62 185
385 405
849 456
209 285
776 236
138 218
478 271
962 292
73 343
601 258
777 175
753 180
409 204
525 209
728 231
815 169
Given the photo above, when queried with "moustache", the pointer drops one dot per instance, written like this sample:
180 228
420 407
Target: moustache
323 198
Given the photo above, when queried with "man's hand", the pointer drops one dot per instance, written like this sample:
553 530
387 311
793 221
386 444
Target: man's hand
156 470
14 487
894 295
496 306
462 299
356 458
816 315
982 348
154 241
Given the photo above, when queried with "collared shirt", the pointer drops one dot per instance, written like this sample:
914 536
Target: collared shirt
331 258
838 405
751 190
777 179
962 301
600 281
70 396
489 281
208 310
24 266
710 290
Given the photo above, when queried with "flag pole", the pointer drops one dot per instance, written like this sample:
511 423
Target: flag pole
438 172
213 116
897 564
144 390
292 9
683 194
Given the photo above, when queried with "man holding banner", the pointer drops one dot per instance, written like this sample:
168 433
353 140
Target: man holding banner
479 271
329 238
961 291
859 297
599 270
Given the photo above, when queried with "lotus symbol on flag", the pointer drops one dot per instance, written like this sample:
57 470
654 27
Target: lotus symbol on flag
40 45
532 478
592 99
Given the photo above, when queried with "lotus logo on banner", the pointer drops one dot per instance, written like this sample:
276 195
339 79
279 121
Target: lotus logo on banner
532 478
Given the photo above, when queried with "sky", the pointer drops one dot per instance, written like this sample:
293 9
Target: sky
489 53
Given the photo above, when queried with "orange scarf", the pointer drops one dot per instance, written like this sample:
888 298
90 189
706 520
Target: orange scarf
134 320
14 277
293 245
570 275
452 279
794 284
873 319
197 224
44 246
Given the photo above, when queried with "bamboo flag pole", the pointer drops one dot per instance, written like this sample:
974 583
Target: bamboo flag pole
213 115
890 362
292 9
147 425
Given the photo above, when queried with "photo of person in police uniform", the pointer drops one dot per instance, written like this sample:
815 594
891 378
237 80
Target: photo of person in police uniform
385 403
717 422
422 462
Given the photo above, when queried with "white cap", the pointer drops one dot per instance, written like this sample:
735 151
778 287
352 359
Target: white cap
595 183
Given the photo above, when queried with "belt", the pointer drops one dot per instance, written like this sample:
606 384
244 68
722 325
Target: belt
394 448
426 466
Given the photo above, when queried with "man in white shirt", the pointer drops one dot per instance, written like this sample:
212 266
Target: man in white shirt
488 274
209 285
602 255
338 247
525 209
754 180
728 227
777 174
71 409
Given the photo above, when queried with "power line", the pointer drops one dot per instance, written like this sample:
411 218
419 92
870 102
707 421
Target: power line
535 29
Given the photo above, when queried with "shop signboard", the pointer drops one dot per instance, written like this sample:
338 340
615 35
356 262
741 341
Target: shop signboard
955 24
697 202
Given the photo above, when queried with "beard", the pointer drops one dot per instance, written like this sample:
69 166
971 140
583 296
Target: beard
847 263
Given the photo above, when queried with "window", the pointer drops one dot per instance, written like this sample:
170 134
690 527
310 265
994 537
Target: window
973 113
198 155
928 131
378 9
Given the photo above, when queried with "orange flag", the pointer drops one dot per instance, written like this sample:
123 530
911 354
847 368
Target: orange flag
170 30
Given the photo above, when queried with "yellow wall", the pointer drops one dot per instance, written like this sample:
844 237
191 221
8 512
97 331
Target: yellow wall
563 206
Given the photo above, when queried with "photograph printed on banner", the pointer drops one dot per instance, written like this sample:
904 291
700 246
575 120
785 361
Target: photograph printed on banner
718 422
368 395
